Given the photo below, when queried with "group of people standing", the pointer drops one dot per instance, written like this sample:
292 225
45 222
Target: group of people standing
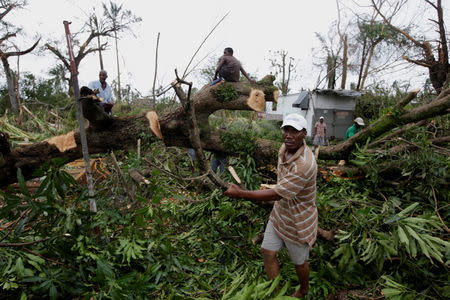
320 131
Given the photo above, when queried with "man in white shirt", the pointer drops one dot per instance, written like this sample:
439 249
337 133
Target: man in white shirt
103 91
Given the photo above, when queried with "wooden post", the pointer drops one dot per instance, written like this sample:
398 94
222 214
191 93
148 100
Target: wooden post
84 146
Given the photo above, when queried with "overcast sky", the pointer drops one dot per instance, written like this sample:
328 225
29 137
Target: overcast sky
252 29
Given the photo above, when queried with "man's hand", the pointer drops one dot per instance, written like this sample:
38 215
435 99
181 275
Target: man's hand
233 191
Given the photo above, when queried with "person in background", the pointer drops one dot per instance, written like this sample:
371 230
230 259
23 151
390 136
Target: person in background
229 68
192 158
219 159
320 133
294 218
103 91
358 123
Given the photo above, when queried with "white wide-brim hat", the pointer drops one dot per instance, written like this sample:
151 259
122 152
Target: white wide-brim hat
360 121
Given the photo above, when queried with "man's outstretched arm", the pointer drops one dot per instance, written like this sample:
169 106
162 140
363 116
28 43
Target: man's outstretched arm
258 196
246 75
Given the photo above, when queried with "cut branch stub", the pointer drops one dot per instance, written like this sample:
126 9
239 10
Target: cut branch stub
63 142
256 100
276 94
153 122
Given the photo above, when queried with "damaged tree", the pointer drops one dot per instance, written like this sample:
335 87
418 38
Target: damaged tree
105 133
438 64
9 31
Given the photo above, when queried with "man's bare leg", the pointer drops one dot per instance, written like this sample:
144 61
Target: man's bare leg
303 277
271 263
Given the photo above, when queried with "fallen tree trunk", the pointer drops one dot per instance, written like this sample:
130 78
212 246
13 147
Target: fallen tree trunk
106 134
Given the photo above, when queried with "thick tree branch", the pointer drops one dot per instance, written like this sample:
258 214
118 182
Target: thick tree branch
417 62
106 134
19 53
194 132
58 54
7 10
402 32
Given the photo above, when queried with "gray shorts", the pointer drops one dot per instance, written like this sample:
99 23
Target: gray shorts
319 141
299 254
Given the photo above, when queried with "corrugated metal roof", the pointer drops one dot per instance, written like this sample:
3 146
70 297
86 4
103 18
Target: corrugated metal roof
341 93
302 101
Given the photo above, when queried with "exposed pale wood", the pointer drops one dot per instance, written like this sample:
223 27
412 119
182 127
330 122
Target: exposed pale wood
137 177
234 174
276 94
63 142
256 100
153 122
139 148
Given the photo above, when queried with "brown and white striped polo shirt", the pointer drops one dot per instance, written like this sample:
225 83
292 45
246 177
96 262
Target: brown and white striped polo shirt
295 216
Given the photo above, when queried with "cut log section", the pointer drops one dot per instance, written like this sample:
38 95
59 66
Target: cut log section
256 100
122 133
153 121
63 142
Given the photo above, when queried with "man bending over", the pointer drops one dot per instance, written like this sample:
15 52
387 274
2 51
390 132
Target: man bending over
294 217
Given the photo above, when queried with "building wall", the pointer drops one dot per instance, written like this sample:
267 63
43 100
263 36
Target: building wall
284 107
338 113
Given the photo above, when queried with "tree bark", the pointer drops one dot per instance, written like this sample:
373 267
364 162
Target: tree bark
9 75
344 62
105 134
10 82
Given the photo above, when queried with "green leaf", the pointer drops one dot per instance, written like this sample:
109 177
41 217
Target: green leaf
19 268
53 292
402 235
389 292
104 268
22 183
408 209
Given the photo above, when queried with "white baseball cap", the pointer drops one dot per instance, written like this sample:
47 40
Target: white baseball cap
295 120
320 117
359 121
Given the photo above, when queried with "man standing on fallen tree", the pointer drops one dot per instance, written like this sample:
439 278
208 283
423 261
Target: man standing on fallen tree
229 68
294 217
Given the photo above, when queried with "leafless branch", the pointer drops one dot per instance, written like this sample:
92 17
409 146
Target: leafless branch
437 211
156 71
33 242
203 42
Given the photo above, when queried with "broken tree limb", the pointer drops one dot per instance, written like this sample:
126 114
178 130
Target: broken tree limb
137 177
122 177
122 133
175 175
389 136
398 116
194 132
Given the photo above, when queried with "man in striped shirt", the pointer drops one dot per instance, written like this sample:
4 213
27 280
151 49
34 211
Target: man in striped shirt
294 218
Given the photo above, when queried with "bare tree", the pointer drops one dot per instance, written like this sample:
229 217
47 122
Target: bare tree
8 48
428 52
329 55
284 65
84 48
344 41
118 20
98 26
